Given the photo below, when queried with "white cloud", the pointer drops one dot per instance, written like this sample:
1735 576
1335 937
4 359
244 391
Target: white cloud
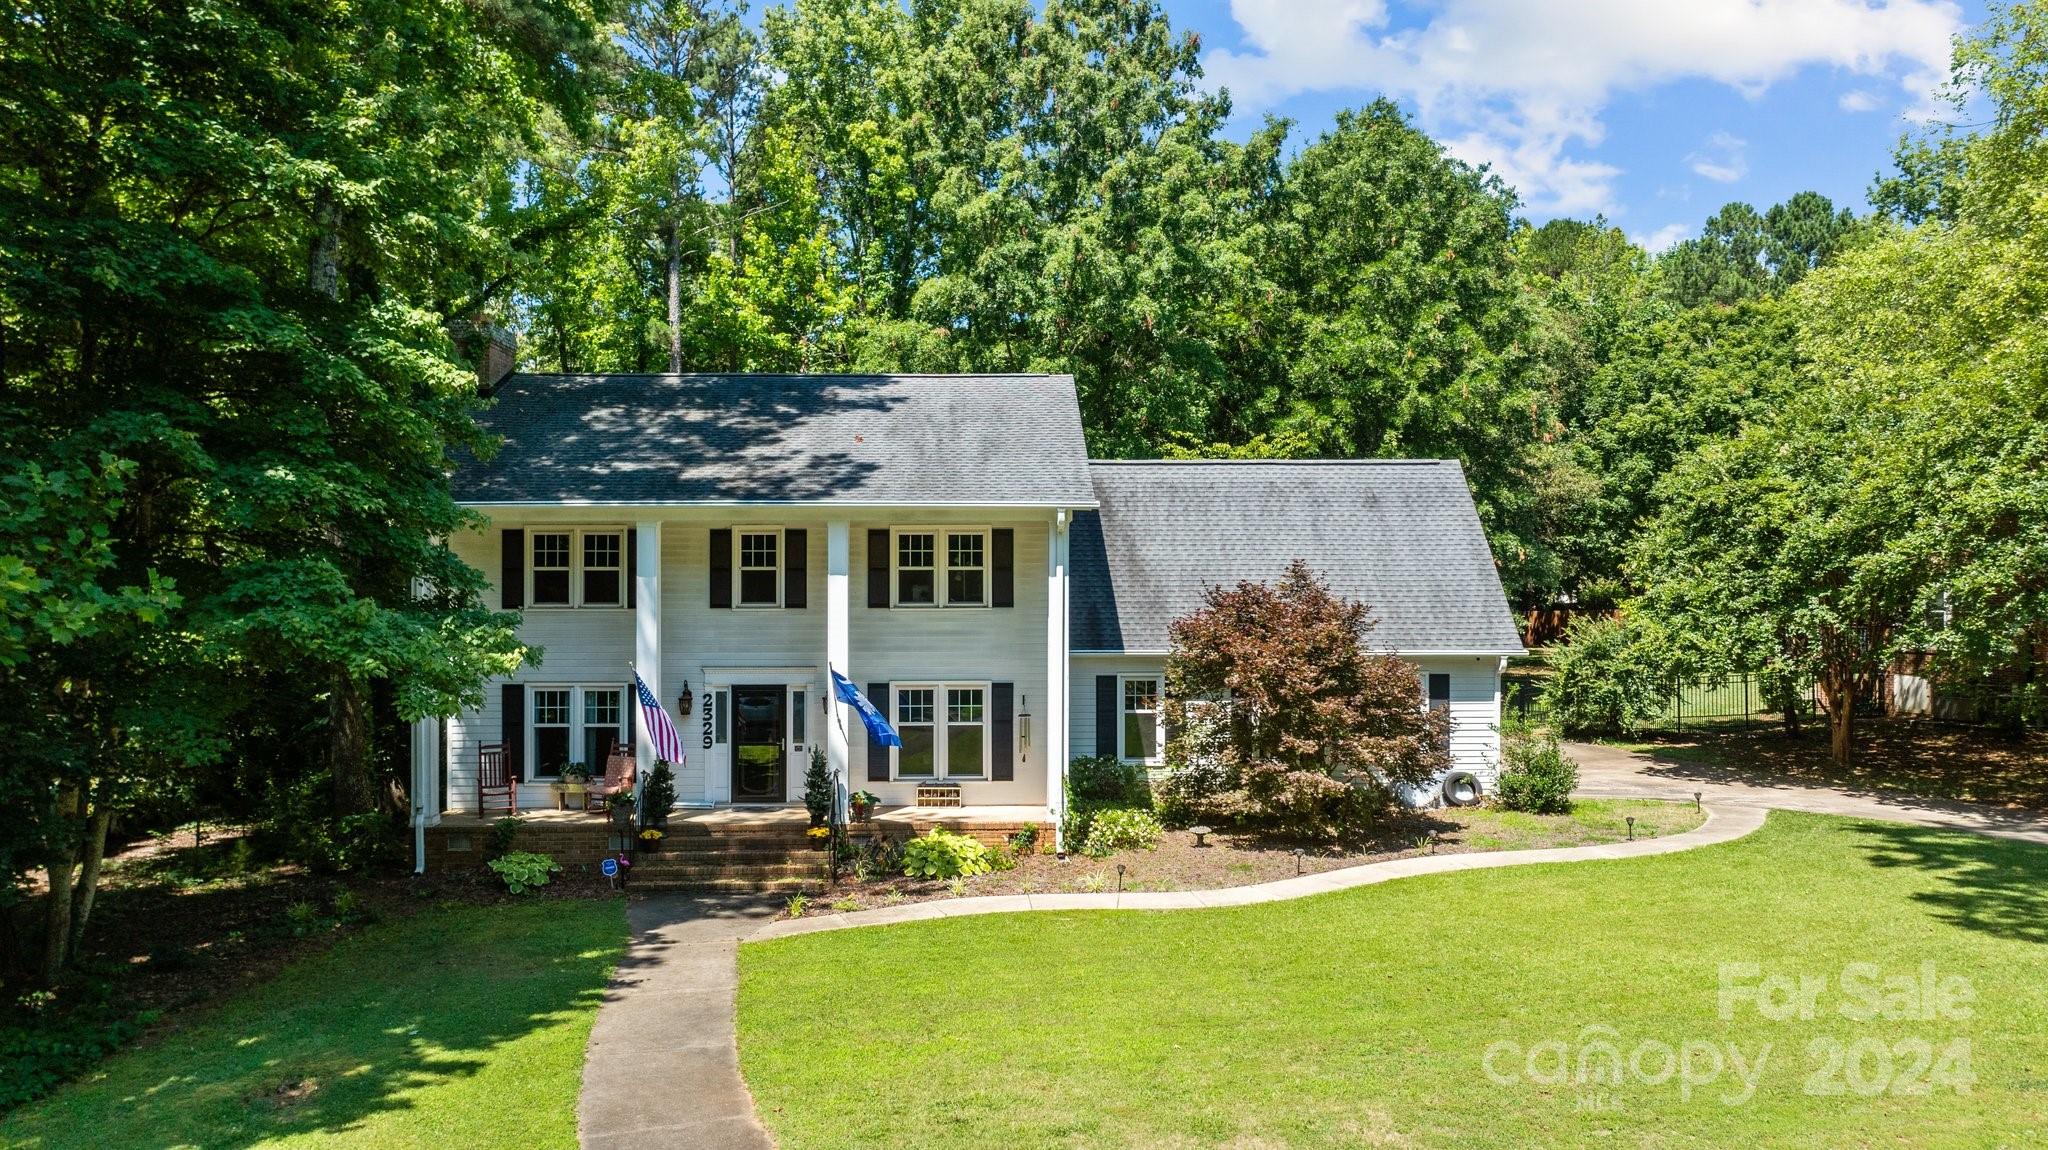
1663 239
1724 158
1858 100
1521 84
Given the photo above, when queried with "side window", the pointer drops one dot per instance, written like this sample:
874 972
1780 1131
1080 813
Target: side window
550 569
1141 720
1439 691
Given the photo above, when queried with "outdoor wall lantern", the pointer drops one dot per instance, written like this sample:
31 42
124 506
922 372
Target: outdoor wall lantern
683 706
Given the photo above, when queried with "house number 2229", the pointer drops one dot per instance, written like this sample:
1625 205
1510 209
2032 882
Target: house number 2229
707 720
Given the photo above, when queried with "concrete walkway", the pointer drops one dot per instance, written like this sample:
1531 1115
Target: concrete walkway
663 1067
1611 772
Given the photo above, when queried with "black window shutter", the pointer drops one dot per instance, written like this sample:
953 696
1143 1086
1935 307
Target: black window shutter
1108 715
878 755
1003 755
1002 554
878 567
632 571
796 558
512 729
512 569
721 567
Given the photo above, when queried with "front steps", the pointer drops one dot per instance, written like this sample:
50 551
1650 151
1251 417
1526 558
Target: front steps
732 859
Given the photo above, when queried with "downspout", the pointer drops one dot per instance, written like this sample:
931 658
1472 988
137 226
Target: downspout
1056 739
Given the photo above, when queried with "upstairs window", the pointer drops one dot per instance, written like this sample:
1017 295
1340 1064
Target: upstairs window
917 574
966 568
760 568
576 567
603 582
940 567
550 569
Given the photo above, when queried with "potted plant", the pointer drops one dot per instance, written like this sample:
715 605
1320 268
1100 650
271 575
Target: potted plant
863 804
650 839
818 836
576 775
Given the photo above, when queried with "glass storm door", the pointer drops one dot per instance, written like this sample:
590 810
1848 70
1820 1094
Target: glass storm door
759 746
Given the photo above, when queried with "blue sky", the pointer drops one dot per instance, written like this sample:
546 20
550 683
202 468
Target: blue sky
1654 112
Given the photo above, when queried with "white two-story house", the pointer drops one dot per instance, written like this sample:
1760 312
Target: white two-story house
944 542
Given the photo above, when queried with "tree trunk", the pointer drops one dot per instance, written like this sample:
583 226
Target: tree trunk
57 913
323 256
1838 693
675 297
89 875
348 747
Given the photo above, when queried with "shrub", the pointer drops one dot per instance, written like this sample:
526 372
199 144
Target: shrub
504 833
524 870
1122 829
1536 776
658 794
1025 841
940 853
1100 778
1605 677
1190 794
42 1045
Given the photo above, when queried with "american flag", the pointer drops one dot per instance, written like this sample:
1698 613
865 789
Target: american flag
668 746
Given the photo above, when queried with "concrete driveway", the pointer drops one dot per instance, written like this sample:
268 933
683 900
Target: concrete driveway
1611 772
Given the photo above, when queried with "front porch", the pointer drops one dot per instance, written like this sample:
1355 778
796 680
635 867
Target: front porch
580 839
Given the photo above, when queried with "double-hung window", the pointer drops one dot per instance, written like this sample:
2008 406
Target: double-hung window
944 727
574 725
551 568
1142 721
760 568
577 567
941 567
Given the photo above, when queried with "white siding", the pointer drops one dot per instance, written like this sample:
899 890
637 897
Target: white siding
595 645
1475 705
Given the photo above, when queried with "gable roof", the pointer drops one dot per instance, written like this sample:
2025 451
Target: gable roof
936 440
1400 536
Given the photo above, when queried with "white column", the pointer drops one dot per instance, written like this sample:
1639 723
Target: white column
647 633
838 562
1054 707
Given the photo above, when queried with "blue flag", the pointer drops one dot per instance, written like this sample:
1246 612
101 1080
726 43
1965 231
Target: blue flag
878 727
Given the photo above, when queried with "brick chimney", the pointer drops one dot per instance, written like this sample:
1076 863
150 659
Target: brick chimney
494 349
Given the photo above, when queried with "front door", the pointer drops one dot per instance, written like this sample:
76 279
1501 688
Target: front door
760 752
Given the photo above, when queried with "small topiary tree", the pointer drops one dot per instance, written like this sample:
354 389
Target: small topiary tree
818 791
1318 731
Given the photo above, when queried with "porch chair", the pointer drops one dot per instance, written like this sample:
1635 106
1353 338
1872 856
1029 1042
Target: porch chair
494 779
618 777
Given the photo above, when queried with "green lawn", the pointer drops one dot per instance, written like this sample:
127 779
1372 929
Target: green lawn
461 1027
1365 1018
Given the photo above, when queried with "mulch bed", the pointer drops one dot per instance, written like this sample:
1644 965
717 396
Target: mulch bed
1242 859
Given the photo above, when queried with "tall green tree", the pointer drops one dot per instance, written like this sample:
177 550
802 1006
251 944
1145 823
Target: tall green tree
232 240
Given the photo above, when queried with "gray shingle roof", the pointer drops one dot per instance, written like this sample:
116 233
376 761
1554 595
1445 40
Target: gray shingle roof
1398 535
869 439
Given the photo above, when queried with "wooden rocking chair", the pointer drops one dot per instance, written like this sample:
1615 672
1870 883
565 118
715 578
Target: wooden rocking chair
618 778
494 779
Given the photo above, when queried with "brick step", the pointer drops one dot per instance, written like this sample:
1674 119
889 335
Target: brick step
717 868
732 854
778 886
747 838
